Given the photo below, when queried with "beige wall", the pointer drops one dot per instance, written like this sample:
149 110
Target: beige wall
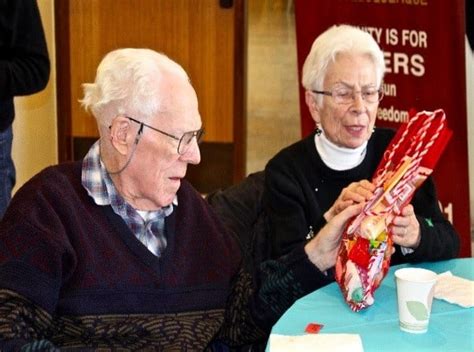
34 128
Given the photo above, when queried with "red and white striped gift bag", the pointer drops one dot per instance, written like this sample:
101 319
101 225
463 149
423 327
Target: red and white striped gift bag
364 255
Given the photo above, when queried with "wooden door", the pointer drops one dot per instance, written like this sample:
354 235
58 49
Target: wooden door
205 36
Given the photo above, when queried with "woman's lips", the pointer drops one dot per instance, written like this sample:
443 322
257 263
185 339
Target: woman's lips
356 130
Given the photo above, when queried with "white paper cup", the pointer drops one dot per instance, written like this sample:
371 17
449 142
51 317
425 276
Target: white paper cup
415 288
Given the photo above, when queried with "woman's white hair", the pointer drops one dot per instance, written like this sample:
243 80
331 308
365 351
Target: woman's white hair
335 40
127 82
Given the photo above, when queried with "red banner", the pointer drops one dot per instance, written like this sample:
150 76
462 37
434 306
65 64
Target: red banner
423 44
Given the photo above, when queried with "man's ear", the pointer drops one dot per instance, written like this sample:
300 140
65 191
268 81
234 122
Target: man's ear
121 134
312 106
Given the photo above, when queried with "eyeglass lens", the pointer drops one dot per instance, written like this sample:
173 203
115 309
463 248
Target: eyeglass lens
344 95
187 138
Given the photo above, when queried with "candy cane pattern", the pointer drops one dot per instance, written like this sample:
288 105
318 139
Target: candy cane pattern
419 153
417 150
388 155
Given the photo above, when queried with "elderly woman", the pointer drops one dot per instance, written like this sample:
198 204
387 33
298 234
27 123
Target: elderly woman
311 181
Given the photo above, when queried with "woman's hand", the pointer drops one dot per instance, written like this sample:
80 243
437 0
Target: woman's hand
322 250
355 193
405 228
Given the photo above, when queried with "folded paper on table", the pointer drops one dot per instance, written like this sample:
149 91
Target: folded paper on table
455 289
364 255
316 342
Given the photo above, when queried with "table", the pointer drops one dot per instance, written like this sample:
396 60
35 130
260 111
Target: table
451 327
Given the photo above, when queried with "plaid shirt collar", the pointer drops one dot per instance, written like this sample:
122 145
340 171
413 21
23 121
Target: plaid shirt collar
99 185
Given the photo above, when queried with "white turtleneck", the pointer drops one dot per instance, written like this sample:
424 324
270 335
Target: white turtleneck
339 158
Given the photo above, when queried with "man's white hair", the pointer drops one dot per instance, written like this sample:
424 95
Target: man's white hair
127 82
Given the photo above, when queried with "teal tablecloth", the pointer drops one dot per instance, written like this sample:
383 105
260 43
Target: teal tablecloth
451 327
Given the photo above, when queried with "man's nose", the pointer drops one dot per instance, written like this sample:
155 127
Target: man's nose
193 154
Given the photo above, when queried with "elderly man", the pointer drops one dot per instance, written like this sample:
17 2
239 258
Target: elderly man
119 251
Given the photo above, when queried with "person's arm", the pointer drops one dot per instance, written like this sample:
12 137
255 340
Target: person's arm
438 239
290 207
32 266
22 323
24 60
260 298
293 211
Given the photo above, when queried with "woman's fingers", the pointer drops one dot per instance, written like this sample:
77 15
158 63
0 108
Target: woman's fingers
358 191
322 250
340 220
405 228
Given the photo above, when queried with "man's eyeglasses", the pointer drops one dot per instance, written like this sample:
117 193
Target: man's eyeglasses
346 95
184 141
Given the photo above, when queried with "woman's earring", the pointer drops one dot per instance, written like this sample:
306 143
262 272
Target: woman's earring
318 131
